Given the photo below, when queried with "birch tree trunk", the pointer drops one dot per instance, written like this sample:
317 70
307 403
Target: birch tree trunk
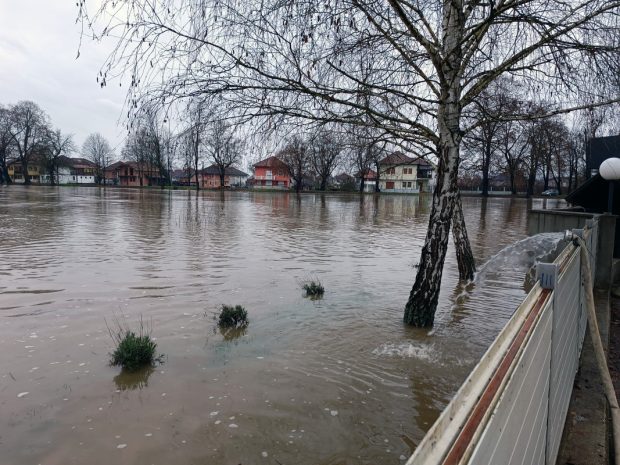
464 255
424 296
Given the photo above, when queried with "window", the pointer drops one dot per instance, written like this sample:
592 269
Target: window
391 171
407 184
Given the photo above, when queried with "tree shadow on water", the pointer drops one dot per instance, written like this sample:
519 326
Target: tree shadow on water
231 334
132 380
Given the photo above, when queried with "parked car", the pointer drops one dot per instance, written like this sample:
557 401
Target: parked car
550 193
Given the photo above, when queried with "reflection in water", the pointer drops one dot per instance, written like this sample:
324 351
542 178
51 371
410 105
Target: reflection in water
132 380
336 380
230 334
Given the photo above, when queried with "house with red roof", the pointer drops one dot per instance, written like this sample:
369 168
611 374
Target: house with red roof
271 173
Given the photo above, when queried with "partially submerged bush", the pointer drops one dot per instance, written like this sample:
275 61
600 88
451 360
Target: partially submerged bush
314 289
233 317
133 351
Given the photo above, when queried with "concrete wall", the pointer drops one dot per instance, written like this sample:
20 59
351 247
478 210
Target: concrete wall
540 221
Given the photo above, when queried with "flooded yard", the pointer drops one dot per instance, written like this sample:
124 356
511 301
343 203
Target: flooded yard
338 380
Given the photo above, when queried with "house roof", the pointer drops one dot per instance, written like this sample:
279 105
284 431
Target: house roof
116 164
399 158
271 162
145 169
76 162
230 171
368 174
182 173
343 177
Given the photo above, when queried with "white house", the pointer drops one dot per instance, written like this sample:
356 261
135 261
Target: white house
73 171
399 173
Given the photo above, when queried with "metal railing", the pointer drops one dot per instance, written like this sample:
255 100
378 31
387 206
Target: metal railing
512 408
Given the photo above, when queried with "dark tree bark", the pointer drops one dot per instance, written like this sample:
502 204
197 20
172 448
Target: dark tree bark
6 142
424 296
464 254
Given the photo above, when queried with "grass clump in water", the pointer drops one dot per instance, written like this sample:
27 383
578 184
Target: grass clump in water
314 289
133 350
233 317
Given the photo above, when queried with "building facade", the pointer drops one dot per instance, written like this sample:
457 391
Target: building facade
133 174
210 177
18 175
370 180
271 173
399 173
72 171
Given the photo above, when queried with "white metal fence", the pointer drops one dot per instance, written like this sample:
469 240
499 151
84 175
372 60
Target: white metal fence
512 407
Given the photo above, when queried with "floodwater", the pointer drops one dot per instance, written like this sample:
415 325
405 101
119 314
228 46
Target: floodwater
333 381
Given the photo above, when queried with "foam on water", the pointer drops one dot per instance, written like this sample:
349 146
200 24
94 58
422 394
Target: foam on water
405 350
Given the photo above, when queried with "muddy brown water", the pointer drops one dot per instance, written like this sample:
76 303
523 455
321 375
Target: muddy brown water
333 381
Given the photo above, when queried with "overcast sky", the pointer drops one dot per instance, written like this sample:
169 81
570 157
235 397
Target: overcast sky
38 47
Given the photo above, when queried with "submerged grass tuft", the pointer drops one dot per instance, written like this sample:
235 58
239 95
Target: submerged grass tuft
314 289
133 350
233 317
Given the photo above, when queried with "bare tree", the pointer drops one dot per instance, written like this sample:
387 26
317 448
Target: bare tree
192 138
137 149
429 60
575 159
97 149
57 145
485 114
156 145
296 156
325 152
6 144
29 128
223 147
511 147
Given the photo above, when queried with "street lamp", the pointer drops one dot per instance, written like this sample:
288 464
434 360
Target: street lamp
610 171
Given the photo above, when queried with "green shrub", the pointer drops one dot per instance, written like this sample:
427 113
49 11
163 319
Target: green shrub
233 317
133 351
314 289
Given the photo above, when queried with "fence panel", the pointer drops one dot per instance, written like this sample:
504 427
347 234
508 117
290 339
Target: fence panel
515 432
565 350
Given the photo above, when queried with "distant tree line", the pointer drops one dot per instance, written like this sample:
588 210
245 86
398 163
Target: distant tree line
529 151
28 137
